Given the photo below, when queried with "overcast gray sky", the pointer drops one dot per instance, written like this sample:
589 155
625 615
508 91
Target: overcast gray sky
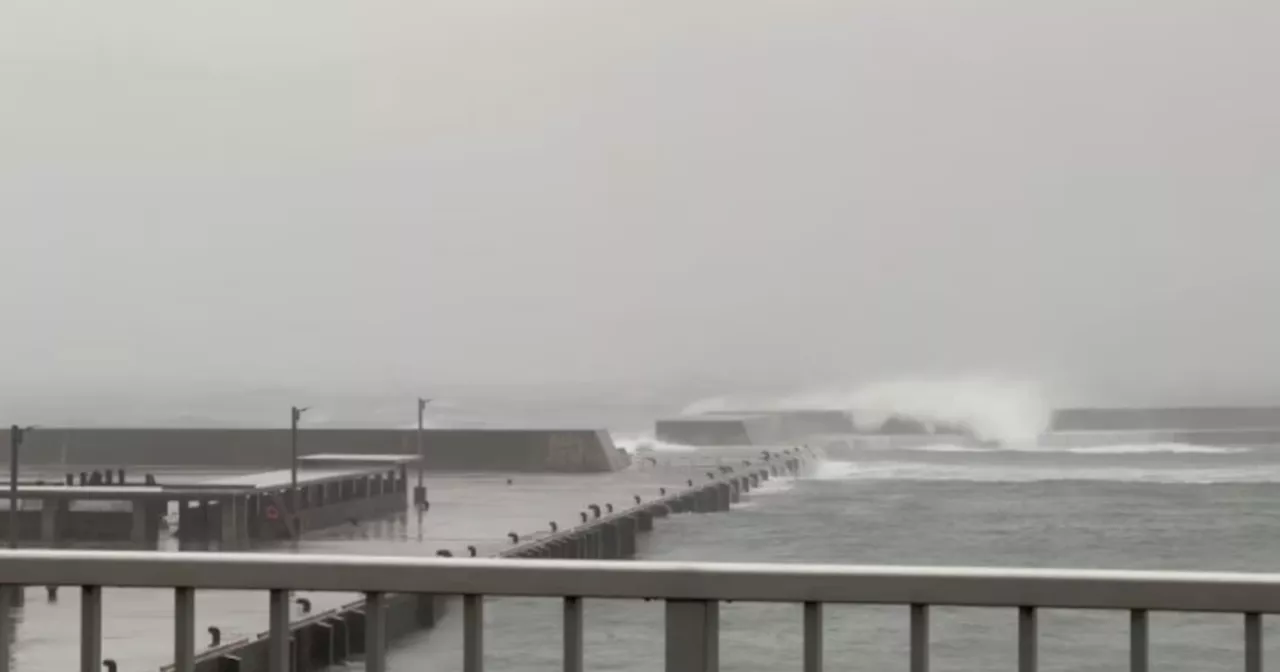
788 192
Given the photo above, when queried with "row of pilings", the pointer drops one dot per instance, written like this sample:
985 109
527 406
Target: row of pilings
606 535
603 533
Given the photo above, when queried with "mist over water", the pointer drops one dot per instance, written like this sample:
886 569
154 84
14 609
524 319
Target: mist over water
561 215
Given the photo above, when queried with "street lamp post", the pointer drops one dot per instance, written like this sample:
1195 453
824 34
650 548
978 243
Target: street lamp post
16 594
420 492
16 436
295 415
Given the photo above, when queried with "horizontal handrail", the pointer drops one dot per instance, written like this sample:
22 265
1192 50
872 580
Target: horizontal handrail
756 582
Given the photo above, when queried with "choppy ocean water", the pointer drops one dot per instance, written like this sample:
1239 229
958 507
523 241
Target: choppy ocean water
1120 507
1158 506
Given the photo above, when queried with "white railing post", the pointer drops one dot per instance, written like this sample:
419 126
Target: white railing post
812 637
919 638
278 632
7 631
91 629
375 632
1028 634
1138 641
1253 642
184 630
573 634
693 636
473 633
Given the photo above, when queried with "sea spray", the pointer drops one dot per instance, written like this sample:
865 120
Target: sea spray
1013 413
1010 412
633 443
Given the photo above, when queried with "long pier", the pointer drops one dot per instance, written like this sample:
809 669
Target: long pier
334 636
226 513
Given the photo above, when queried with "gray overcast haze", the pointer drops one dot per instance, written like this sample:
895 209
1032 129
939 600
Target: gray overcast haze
664 194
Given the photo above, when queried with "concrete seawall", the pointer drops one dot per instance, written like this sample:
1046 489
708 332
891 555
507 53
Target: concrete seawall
462 450
336 636
1189 419
1215 426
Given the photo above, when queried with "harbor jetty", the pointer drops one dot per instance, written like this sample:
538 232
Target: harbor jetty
852 430
226 513
334 636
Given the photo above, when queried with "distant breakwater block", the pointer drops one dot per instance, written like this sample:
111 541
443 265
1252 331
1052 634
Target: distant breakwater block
476 450
1207 425
721 429
1186 418
791 426
753 428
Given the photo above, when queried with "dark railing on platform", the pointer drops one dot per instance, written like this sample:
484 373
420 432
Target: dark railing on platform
692 592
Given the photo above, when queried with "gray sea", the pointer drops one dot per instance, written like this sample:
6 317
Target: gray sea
1122 506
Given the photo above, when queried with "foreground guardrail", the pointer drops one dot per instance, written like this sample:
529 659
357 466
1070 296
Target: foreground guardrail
692 592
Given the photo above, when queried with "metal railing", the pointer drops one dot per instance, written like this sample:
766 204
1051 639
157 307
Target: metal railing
692 592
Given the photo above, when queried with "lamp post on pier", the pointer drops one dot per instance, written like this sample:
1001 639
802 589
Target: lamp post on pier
420 491
16 595
16 436
295 415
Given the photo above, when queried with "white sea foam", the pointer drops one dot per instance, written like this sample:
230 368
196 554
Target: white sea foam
633 443
773 486
988 473
948 448
1120 449
1138 449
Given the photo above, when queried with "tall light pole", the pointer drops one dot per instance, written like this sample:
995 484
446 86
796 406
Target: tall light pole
16 436
16 596
420 492
295 415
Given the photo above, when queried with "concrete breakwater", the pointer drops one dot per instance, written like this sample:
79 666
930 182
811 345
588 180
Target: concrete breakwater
459 450
1209 425
603 533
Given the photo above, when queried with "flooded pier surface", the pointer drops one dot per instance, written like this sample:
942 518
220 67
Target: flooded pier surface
465 510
